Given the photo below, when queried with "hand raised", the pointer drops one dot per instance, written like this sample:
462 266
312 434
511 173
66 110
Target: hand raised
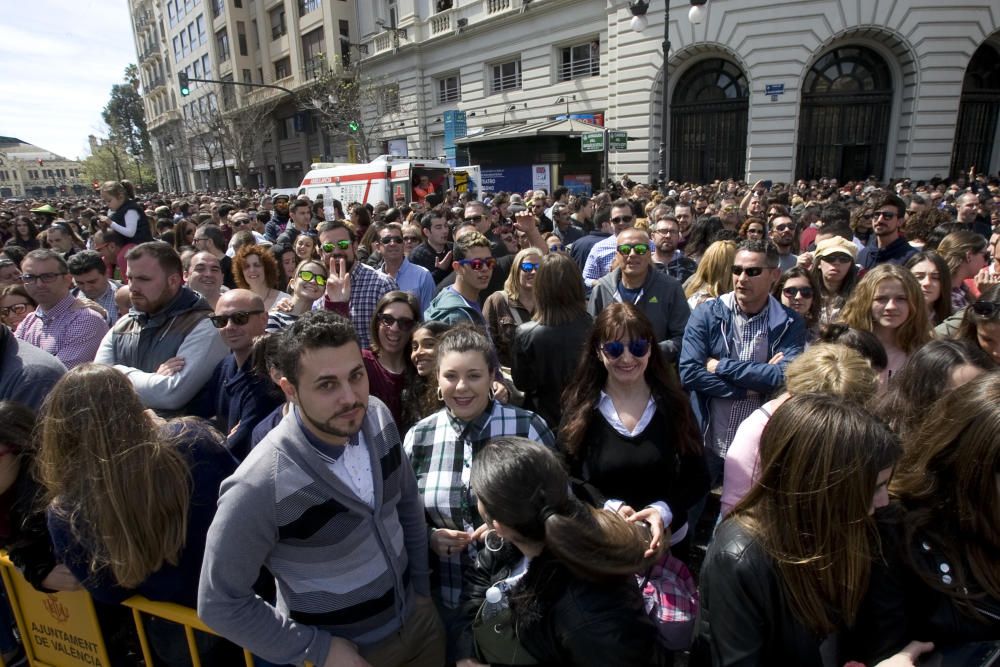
338 283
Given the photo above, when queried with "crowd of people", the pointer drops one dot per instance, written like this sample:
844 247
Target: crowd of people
465 431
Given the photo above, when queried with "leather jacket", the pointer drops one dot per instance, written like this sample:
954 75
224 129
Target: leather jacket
562 619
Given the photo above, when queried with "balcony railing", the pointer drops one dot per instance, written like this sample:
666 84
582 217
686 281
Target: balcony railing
497 6
441 23
278 31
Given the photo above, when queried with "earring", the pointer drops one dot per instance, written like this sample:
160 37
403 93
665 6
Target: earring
492 394
440 395
486 541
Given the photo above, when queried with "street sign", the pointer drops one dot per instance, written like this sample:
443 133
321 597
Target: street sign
618 140
774 89
592 142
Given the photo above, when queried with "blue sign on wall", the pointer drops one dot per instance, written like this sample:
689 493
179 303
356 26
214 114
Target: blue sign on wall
774 89
508 179
454 128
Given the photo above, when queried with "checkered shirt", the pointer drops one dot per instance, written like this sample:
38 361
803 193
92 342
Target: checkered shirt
441 449
747 349
599 261
105 301
368 285
71 333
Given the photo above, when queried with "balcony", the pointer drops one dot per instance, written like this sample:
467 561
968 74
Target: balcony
497 6
441 23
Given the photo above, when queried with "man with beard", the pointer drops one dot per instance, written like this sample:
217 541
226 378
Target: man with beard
783 237
279 218
887 219
667 258
329 503
364 284
165 345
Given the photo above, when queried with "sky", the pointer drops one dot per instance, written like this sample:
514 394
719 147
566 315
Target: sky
58 61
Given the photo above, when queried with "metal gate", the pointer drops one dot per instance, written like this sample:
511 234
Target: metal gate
708 137
844 120
978 113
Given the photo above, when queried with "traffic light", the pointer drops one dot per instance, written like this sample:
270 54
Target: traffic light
353 126
182 78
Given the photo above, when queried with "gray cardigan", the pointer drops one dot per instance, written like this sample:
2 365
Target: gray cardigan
342 568
662 301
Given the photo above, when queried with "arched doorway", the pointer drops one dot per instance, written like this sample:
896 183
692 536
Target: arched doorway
978 112
844 119
708 123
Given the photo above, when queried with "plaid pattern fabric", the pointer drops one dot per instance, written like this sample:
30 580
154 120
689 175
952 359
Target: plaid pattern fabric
67 331
106 301
441 449
600 259
747 349
367 287
671 599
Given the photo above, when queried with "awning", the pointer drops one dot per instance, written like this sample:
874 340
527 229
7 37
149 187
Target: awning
569 127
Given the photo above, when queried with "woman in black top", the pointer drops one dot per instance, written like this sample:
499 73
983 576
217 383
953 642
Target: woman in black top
628 430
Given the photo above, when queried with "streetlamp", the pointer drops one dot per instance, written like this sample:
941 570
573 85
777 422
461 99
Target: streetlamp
639 23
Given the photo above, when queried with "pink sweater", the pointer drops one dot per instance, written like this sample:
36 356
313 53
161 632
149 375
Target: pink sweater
743 456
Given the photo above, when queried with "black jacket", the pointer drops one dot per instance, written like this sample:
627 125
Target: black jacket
746 620
561 619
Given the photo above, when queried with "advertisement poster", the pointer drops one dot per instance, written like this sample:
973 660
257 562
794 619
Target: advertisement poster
578 184
540 177
508 179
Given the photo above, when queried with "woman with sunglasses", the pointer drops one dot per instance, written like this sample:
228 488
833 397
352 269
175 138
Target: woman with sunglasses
754 229
714 276
15 304
184 235
786 576
442 448
966 254
797 290
836 273
888 302
514 304
255 269
980 323
308 285
627 428
390 370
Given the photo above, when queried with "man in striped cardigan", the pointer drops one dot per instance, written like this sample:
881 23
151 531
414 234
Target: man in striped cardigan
328 504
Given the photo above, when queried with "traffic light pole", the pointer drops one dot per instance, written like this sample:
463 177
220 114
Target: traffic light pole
241 83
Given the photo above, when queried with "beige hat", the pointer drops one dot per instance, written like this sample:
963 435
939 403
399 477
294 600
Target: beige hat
836 245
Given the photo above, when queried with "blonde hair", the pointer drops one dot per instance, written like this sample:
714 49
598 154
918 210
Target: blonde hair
715 271
123 490
857 312
837 370
512 286
955 246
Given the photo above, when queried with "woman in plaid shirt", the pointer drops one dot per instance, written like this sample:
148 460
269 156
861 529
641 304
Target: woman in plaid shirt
441 448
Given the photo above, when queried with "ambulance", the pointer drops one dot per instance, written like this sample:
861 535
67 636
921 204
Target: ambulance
388 178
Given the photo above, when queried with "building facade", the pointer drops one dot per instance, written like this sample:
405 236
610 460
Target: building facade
29 171
759 89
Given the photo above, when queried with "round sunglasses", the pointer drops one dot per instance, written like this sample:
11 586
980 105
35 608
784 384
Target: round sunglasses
628 248
638 348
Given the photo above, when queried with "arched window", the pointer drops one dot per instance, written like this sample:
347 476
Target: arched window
708 122
978 112
844 120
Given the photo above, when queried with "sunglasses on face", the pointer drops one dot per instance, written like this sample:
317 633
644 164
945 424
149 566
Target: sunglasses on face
783 228
473 218
478 264
16 309
390 240
985 308
557 247
836 259
637 348
627 249
751 271
886 215
792 292
311 277
411 239
405 324
622 218
529 267
330 247
239 318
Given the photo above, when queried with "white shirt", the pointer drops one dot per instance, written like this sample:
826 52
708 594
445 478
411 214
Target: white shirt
354 468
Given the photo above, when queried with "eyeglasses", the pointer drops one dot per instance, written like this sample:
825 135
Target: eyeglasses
478 264
792 292
622 218
627 249
239 318
311 277
885 215
529 267
837 258
330 247
784 227
473 218
389 240
751 271
240 223
44 278
666 232
194 240
411 239
638 348
405 324
557 247
16 309
985 308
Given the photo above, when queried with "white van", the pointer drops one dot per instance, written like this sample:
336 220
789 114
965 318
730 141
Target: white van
387 178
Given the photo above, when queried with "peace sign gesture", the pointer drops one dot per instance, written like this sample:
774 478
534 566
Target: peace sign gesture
338 283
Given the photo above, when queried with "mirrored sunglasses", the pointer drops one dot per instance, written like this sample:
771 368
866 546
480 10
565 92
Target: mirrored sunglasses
311 277
478 264
628 248
637 348
330 247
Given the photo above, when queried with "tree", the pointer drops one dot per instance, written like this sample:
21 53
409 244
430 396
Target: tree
109 160
352 106
126 120
243 128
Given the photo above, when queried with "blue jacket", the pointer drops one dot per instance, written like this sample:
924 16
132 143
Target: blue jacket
709 335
